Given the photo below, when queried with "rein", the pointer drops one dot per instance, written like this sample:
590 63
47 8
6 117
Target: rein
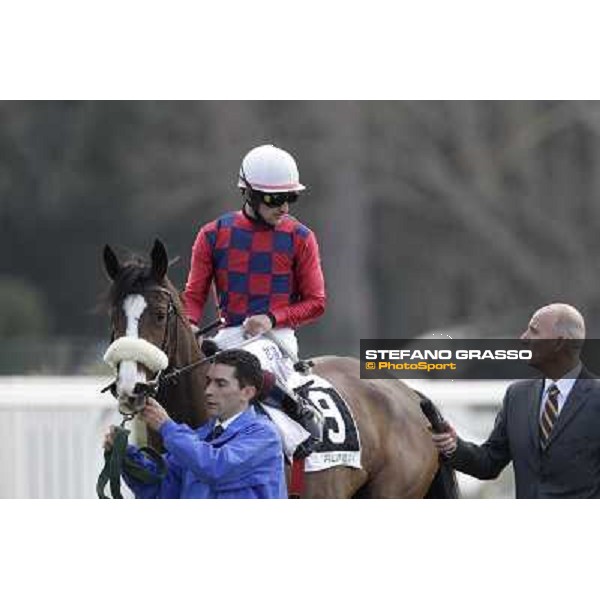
116 463
153 387
174 373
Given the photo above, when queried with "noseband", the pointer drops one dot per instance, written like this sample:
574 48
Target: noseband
156 387
169 340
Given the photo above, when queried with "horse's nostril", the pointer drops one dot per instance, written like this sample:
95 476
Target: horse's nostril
131 404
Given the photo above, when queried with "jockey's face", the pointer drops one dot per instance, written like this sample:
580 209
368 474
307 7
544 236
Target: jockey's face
224 396
273 215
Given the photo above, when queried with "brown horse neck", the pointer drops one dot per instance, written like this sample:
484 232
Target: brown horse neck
184 399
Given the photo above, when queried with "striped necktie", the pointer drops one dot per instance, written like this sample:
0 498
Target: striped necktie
549 415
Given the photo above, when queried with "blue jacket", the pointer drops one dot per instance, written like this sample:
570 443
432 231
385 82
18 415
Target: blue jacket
245 461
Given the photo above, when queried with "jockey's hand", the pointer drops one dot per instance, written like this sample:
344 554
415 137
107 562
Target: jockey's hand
445 442
256 325
109 438
196 331
154 415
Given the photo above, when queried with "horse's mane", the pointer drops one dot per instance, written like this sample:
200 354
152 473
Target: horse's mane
135 277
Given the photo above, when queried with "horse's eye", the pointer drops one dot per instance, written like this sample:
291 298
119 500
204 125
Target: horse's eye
161 316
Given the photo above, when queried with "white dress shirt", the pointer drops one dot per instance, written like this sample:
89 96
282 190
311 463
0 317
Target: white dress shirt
564 384
227 422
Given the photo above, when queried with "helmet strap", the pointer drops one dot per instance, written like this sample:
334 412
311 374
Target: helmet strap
255 216
252 200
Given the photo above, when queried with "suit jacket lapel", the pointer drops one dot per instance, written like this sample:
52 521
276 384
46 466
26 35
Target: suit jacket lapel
535 399
575 402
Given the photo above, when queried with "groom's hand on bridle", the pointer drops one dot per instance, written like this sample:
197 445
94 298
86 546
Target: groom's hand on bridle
154 415
109 438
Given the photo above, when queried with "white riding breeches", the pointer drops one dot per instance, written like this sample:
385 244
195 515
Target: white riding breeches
266 350
272 359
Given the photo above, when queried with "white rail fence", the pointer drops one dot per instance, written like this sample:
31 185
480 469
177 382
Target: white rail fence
51 430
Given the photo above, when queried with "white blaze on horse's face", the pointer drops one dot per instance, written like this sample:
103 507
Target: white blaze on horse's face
129 374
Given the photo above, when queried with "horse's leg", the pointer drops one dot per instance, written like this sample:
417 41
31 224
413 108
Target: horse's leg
387 484
337 482
406 471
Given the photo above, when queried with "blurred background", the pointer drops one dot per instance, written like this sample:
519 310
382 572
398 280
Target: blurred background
432 217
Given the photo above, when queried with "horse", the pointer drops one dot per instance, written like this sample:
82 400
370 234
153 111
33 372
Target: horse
398 458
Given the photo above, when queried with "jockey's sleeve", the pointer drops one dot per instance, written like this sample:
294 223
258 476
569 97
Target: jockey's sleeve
200 275
310 287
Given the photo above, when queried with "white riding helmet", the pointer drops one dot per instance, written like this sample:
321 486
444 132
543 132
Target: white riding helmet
270 169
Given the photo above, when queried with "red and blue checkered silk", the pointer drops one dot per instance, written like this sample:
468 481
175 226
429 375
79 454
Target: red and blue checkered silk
257 270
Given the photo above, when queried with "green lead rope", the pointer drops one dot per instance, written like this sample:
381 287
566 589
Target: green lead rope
116 463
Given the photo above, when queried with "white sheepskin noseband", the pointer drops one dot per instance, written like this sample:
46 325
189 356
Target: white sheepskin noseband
137 350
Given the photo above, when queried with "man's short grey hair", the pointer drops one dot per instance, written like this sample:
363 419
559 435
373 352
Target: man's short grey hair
569 322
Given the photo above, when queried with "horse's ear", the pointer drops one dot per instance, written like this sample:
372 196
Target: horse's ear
111 262
160 261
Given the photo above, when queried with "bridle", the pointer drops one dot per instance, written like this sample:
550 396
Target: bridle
156 387
116 461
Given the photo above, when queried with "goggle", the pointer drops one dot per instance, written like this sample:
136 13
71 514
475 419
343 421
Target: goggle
275 200
271 200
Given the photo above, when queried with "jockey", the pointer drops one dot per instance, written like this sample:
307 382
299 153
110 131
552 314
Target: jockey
267 272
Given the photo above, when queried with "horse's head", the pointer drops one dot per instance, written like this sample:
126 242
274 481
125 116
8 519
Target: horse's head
144 310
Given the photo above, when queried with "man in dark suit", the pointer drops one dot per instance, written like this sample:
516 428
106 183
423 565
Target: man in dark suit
548 427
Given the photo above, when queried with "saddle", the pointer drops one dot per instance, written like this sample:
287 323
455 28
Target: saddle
299 421
270 394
